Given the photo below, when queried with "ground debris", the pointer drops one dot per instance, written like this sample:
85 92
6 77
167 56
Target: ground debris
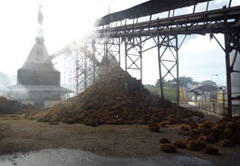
154 127
164 141
168 148
211 150
226 130
225 143
184 130
179 144
195 145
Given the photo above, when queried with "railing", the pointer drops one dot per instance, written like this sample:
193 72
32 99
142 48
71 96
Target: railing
219 105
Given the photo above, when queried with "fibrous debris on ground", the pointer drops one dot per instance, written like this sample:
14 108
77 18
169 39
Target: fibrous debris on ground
118 98
225 132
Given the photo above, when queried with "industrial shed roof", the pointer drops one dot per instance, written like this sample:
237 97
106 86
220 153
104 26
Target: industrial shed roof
147 8
204 87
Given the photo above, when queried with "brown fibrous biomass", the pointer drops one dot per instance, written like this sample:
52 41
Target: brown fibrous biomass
168 148
179 144
164 141
115 98
154 127
211 150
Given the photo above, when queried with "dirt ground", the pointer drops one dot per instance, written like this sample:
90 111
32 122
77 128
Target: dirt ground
23 135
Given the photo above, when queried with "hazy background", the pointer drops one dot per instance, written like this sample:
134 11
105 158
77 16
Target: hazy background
67 20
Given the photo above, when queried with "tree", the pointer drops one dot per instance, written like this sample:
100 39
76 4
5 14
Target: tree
184 81
158 85
149 86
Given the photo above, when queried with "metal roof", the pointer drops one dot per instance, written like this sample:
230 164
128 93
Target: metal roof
39 59
147 8
205 87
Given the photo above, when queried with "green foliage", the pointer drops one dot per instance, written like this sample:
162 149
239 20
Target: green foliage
148 86
209 82
183 81
170 87
169 92
157 84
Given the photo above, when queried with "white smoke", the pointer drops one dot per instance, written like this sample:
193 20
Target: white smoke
5 81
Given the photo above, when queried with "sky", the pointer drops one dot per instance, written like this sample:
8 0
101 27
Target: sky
68 20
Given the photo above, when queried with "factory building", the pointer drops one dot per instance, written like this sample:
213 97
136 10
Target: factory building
38 82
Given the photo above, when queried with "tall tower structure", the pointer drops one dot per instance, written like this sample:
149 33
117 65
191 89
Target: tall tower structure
38 82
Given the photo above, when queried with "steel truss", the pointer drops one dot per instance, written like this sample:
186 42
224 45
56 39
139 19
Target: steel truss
167 47
107 47
170 62
196 23
165 35
167 51
84 71
133 55
80 72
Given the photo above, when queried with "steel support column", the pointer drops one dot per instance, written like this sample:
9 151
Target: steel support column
112 49
133 55
85 74
232 48
160 69
94 65
168 62
105 48
77 74
228 72
177 61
